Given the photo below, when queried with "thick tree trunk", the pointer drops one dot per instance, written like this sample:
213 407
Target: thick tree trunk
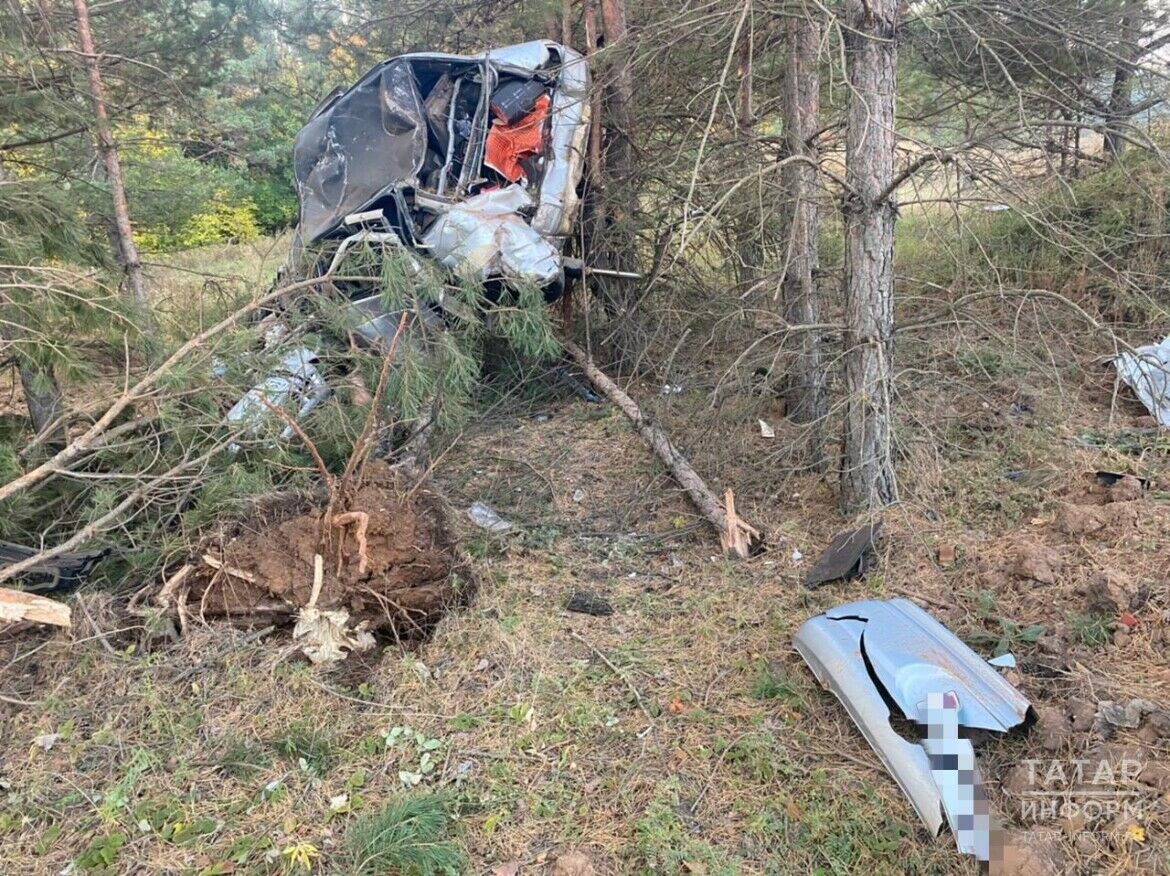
867 475
1120 107
749 222
611 195
805 384
126 249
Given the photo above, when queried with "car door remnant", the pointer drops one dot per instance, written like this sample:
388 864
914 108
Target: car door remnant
877 655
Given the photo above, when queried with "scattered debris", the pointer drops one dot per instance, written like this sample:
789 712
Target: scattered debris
870 653
766 431
58 574
585 602
735 535
1124 716
16 606
846 557
486 518
1113 478
1147 372
46 741
325 635
1003 661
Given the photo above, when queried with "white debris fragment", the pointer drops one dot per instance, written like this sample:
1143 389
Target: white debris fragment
486 518
766 430
327 637
1147 372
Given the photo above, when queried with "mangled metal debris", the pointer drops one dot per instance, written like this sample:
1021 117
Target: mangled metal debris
1147 372
846 557
469 161
875 654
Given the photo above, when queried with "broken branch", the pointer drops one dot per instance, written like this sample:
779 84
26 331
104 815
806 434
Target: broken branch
735 535
16 605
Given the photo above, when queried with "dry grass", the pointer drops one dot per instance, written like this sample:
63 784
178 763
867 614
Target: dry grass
727 760
682 734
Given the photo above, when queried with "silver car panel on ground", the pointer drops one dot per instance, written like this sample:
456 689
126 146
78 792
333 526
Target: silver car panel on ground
873 652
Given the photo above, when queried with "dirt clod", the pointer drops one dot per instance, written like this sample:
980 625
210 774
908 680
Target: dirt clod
1054 729
1030 853
573 864
1036 562
403 581
1127 489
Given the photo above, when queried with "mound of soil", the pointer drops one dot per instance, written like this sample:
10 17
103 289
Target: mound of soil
411 576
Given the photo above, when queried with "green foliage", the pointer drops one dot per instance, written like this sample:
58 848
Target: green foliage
274 205
1091 630
666 846
308 746
409 836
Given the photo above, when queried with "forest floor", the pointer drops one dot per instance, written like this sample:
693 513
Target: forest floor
682 733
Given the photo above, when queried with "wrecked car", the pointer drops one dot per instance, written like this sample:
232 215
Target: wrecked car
879 656
470 161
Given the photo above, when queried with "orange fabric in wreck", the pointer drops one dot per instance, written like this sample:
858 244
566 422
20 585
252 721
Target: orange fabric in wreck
508 144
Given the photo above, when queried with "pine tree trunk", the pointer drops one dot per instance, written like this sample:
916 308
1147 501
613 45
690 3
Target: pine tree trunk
805 384
748 223
1121 94
126 249
867 475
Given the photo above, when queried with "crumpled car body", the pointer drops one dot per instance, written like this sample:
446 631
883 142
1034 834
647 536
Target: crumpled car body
875 656
410 142
469 161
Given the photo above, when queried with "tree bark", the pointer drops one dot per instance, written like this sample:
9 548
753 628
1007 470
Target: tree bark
1120 107
126 249
867 474
804 392
749 223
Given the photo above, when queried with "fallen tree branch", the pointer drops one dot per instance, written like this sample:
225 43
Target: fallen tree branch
735 535
131 394
16 605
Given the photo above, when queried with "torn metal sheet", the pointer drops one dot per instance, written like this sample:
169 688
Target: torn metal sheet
846 557
297 384
358 146
1147 372
485 237
875 654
